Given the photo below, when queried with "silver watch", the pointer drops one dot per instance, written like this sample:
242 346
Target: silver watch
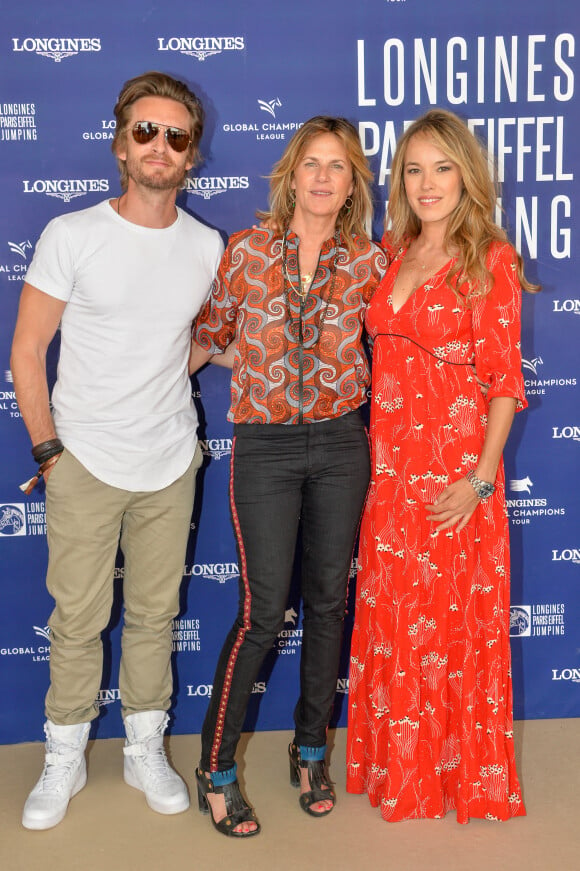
483 488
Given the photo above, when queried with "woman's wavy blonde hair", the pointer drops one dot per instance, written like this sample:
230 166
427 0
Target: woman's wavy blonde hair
351 221
471 228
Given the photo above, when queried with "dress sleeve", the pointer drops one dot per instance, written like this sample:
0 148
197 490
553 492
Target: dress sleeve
497 328
215 326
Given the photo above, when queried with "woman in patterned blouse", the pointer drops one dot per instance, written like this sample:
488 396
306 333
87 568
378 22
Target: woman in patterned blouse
293 299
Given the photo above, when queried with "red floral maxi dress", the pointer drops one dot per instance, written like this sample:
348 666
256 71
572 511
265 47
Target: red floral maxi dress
430 707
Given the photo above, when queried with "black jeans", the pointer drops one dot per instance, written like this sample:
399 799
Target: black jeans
283 477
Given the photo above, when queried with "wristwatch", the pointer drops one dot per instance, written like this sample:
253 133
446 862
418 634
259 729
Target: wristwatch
483 488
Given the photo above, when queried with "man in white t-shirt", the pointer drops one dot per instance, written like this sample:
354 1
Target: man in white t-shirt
119 452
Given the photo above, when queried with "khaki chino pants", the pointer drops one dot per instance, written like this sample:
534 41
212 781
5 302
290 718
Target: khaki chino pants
87 521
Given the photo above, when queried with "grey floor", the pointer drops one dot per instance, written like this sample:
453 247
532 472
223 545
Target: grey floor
109 826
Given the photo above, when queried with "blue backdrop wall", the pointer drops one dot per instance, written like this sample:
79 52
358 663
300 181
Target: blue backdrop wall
261 71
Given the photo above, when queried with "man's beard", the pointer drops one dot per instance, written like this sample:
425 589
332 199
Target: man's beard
168 178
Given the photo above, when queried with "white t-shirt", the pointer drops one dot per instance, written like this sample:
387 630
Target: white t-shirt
122 400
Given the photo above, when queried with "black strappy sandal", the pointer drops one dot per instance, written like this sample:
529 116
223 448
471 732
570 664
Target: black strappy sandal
317 778
237 809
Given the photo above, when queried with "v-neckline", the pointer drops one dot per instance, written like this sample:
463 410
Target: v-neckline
428 280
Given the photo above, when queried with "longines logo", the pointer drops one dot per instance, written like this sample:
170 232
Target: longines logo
209 186
566 432
216 448
108 696
567 305
571 674
537 620
537 385
567 555
201 47
220 572
65 188
56 48
205 689
521 509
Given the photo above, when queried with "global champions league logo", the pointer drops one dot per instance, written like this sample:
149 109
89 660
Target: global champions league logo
266 130
38 654
538 386
16 271
20 248
270 106
532 364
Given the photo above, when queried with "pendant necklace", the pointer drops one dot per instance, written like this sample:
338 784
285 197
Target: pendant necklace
306 284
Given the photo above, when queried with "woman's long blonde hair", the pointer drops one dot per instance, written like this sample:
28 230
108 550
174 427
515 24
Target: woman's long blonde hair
471 228
352 219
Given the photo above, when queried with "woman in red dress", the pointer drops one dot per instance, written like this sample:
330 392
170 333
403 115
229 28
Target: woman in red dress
430 718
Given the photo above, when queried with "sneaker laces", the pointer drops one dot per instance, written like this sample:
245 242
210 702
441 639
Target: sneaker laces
157 764
152 754
58 768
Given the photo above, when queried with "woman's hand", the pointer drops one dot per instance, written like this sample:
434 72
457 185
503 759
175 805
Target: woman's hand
454 506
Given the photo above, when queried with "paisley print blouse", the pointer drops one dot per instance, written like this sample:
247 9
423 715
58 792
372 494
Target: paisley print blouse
297 361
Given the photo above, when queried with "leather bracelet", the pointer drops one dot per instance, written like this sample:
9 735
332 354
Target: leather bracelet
45 450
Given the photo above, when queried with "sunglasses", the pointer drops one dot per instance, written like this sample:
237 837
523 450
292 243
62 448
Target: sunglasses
146 131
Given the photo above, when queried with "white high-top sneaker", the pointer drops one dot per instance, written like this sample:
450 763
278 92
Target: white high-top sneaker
64 774
146 765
